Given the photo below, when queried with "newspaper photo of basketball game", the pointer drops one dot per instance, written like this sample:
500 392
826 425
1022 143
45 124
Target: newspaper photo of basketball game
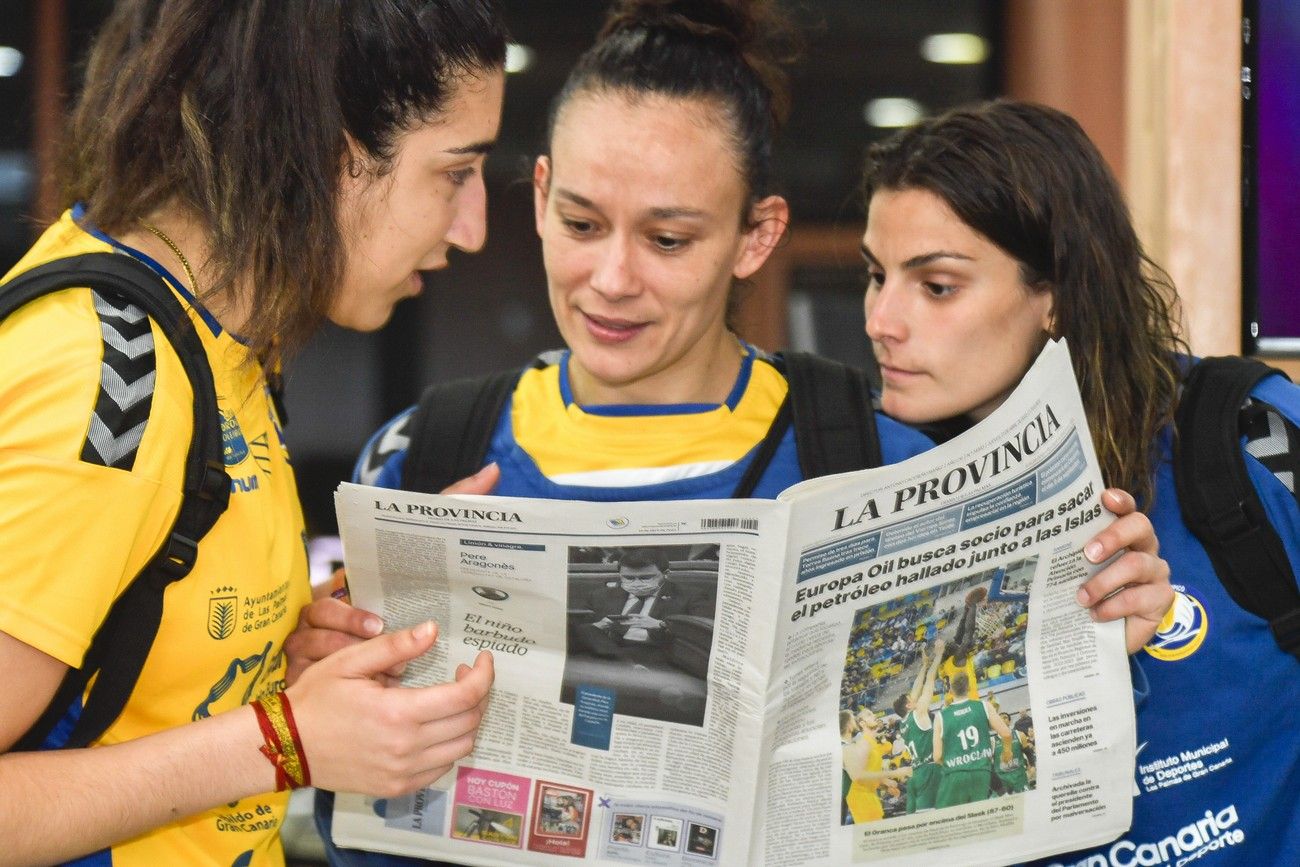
934 704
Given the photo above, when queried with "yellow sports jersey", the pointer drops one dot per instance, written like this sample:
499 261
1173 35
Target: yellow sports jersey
637 446
949 667
862 798
95 420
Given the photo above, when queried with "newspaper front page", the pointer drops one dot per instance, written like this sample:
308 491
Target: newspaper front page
719 682
933 662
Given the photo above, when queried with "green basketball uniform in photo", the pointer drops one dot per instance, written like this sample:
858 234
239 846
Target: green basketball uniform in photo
923 785
967 754
1015 774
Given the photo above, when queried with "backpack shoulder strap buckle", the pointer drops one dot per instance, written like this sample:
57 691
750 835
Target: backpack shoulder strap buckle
175 559
213 483
1231 525
1286 631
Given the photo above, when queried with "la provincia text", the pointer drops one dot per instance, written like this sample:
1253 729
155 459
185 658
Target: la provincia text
1032 436
904 569
466 513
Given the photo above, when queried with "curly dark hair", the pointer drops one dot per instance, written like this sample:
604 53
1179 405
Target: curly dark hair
240 111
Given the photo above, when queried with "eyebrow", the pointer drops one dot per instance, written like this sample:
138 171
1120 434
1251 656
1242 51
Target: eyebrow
580 201
921 260
478 147
677 213
655 213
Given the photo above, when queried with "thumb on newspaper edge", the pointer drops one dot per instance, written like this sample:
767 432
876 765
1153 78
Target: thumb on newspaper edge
383 652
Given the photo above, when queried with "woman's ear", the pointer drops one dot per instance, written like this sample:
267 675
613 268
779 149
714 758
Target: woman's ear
356 160
1041 294
541 190
768 220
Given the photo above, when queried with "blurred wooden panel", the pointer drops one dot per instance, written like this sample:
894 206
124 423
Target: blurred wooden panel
49 83
1070 54
1184 151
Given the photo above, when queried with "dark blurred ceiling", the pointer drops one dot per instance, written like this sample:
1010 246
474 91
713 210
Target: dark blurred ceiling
857 50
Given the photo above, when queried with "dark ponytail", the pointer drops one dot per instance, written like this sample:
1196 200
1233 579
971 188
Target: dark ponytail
731 52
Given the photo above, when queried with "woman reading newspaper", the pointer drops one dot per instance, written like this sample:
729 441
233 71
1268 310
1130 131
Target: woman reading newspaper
653 200
989 230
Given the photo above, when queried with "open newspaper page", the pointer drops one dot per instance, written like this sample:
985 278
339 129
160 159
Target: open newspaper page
631 642
937 686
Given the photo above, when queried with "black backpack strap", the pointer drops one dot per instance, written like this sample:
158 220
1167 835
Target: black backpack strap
829 404
766 451
118 651
451 429
1220 504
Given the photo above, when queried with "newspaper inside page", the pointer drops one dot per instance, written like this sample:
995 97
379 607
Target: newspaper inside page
938 692
631 643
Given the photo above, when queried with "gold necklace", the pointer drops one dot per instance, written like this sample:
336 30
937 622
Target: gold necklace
185 263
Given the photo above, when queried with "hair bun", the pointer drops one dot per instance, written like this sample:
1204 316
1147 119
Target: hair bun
758 30
729 21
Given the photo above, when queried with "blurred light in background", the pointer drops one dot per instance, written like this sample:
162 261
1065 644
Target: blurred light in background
16 177
891 112
960 48
11 60
518 57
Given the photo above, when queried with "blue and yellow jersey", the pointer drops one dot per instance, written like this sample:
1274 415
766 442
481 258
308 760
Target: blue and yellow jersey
863 798
1217 753
96 413
549 446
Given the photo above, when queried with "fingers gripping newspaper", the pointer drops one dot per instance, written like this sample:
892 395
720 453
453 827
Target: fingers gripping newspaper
884 667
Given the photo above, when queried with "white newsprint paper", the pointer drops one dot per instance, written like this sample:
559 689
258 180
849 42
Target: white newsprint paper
884 667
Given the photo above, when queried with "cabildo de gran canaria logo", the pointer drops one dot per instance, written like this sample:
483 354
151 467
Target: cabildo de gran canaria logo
223 610
1183 630
234 448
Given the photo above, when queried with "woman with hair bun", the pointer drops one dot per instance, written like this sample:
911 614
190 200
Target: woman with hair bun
653 201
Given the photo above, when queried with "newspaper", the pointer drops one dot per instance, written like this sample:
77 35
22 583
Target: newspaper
745 714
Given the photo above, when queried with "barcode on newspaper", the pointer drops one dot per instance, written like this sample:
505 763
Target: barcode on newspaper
729 523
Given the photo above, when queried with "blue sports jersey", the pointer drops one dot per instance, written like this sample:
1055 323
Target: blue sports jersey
1218 756
647 453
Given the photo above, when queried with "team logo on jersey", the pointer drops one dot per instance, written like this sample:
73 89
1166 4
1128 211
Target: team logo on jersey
253 668
222 611
1183 630
234 449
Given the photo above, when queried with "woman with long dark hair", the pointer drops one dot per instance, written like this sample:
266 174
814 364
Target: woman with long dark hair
277 164
991 229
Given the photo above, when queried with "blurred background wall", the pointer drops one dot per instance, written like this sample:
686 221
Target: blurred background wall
1155 82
